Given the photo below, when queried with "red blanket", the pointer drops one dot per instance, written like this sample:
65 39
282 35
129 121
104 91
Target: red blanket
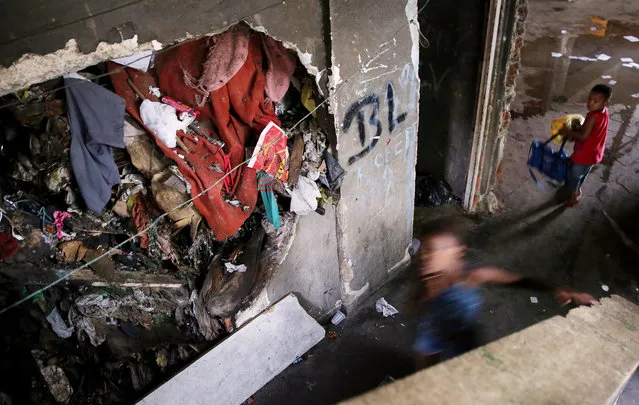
239 111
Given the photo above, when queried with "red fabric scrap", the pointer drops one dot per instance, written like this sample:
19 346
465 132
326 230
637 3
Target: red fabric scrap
239 111
8 246
140 215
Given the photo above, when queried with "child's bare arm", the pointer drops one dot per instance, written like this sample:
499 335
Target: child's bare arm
583 133
494 275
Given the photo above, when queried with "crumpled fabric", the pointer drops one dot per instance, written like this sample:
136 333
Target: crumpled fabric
8 246
281 66
230 51
225 58
304 196
162 119
239 110
58 219
96 118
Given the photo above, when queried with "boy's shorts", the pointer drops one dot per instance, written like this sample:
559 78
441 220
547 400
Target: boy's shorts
576 176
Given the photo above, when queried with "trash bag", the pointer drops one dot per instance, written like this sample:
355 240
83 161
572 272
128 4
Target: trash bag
432 192
334 172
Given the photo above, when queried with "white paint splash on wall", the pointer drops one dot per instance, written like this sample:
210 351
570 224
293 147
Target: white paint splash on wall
413 25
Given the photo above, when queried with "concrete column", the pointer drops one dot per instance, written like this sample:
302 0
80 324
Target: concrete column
375 90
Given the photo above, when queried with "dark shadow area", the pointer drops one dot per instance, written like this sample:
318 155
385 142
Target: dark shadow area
450 65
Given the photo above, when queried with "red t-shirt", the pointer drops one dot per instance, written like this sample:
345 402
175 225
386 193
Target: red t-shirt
591 151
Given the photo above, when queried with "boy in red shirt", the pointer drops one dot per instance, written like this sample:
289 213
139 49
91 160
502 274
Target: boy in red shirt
590 141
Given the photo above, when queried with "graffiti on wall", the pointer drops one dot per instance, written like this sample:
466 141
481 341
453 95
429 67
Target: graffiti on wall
376 119
358 110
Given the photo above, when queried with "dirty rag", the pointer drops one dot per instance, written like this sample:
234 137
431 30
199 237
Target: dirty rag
163 121
140 215
304 196
224 59
8 245
58 325
281 66
96 119
58 219
229 53
386 309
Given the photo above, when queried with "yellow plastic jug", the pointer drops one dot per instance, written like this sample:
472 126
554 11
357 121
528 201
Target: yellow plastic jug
572 121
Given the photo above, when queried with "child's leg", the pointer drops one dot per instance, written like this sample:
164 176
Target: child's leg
575 178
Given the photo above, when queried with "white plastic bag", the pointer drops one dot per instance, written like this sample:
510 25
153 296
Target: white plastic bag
163 121
304 196
385 308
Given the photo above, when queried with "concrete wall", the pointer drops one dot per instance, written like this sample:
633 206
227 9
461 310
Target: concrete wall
376 118
39 34
373 52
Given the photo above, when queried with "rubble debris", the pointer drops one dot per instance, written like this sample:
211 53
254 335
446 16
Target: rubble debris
96 118
72 251
236 286
168 197
386 309
58 179
58 325
55 378
123 291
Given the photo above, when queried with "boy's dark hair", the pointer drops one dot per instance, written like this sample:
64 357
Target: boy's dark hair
448 225
602 89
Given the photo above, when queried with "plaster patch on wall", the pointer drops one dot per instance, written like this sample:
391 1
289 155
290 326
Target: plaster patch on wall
413 25
31 68
260 303
349 296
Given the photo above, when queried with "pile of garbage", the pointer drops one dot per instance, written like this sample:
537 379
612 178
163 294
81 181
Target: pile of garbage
130 219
